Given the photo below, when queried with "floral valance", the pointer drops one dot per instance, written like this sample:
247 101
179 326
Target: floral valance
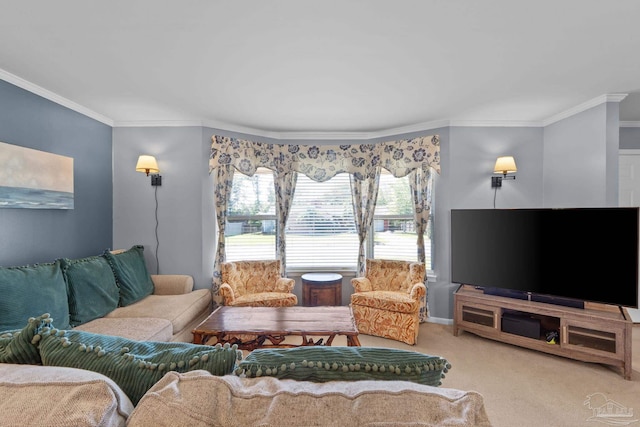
322 162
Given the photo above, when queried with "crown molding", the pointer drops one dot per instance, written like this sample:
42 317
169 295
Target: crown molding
420 127
228 127
614 97
494 123
54 97
157 123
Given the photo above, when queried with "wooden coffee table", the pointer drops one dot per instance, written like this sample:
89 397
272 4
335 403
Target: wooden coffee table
260 327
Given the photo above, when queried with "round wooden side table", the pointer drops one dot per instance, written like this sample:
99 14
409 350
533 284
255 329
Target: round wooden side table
321 289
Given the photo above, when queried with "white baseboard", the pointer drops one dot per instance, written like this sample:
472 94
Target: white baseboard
440 320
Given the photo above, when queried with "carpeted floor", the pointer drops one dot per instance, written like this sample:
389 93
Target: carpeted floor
523 387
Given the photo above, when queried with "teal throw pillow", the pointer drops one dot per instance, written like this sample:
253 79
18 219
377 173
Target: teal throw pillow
324 363
21 345
134 365
93 292
31 290
131 274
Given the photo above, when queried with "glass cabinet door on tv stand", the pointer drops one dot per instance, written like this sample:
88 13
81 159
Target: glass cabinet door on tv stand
598 333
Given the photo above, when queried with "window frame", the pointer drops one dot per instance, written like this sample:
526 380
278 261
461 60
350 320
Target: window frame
369 243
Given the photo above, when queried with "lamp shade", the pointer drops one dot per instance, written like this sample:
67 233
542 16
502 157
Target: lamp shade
147 164
505 165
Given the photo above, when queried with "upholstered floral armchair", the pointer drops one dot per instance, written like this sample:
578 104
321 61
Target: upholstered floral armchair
256 283
386 302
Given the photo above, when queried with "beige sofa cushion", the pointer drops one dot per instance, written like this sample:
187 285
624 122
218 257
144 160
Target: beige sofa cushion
51 396
138 329
199 399
180 310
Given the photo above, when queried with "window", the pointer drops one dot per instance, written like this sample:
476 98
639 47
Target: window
321 232
394 234
250 232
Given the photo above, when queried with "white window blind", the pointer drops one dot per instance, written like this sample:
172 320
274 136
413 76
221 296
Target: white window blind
321 232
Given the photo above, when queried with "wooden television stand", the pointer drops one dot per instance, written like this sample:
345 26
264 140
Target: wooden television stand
599 333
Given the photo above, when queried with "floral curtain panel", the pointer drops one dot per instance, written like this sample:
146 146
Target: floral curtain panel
364 194
323 162
224 181
285 187
418 181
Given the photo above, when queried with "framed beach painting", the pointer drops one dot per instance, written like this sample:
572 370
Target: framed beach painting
34 179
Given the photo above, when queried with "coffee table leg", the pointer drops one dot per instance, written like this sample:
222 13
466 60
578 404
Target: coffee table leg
197 338
353 341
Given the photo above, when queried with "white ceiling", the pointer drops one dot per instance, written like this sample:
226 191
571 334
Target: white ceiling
286 67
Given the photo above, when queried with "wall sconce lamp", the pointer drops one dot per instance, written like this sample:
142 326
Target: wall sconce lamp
504 165
148 164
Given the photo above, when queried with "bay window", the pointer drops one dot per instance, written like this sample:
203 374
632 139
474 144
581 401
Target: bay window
320 231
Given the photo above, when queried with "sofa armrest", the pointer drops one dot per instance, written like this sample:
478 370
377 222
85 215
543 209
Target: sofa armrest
172 284
361 284
284 284
227 293
418 290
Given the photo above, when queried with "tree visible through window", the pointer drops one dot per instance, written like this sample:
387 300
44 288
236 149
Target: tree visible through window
394 232
250 232
320 232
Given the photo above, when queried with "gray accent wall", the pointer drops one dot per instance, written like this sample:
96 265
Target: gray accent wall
43 235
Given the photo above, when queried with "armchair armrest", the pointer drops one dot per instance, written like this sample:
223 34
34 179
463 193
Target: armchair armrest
418 290
284 284
361 284
227 294
172 284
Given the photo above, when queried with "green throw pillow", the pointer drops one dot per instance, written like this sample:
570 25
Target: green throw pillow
324 363
134 365
131 274
93 291
28 291
21 346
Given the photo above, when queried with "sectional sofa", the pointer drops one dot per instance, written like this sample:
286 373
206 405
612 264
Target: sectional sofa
88 379
98 341
110 293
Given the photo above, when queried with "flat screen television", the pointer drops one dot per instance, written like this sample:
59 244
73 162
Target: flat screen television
564 256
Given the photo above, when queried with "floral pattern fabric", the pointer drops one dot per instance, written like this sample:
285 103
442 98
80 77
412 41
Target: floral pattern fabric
285 186
421 195
387 300
364 194
223 187
256 283
323 162
401 327
392 275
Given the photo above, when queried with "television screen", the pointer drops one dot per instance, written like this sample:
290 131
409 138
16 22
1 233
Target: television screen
588 254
